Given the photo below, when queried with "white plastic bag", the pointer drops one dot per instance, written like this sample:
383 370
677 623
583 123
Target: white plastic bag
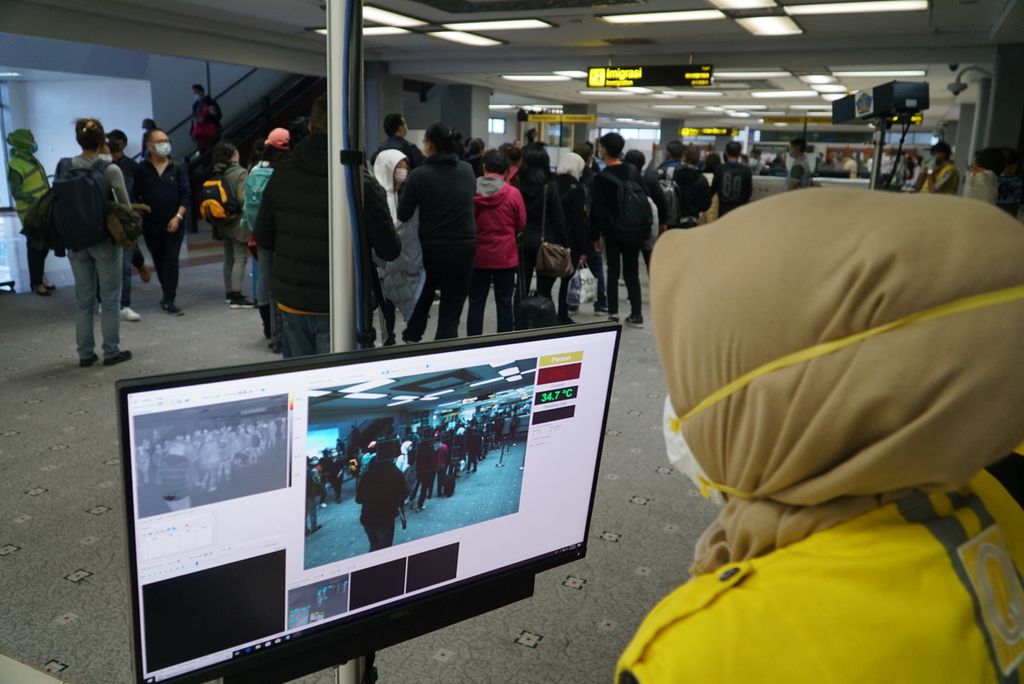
588 285
575 285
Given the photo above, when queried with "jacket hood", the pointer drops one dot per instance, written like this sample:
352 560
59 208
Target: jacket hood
311 154
801 436
494 199
22 141
443 159
384 168
489 185
571 164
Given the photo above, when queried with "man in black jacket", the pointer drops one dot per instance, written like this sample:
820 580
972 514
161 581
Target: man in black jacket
294 223
733 182
382 492
395 128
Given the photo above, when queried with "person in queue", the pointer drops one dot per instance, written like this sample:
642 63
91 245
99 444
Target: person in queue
232 233
27 181
162 183
941 176
576 208
395 129
543 215
442 189
117 141
595 250
867 544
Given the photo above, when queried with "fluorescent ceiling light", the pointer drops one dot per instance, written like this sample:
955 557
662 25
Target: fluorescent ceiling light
319 393
835 88
694 93
740 75
486 382
779 124
674 106
321 31
399 403
383 16
743 106
511 370
429 398
9 74
514 378
770 114
550 108
714 109
770 26
440 392
742 115
772 94
497 107
571 74
817 79
464 38
504 25
663 96
535 78
371 31
363 386
619 93
405 397
662 17
832 98
365 395
743 4
813 108
858 7
882 73
637 89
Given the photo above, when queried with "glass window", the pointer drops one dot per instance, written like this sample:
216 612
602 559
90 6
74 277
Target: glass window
496 126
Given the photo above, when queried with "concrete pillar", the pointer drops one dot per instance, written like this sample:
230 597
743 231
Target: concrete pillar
465 108
582 132
982 118
669 132
961 140
383 95
1006 116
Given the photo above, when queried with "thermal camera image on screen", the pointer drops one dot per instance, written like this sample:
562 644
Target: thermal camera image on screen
191 457
399 459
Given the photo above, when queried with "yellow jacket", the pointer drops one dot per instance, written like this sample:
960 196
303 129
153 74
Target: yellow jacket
927 589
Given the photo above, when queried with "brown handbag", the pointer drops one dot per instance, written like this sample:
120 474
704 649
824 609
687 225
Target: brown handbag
553 261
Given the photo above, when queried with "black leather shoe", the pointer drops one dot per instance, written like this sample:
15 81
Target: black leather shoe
88 361
120 356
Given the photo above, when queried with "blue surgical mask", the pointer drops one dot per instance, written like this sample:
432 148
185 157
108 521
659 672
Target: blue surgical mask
196 98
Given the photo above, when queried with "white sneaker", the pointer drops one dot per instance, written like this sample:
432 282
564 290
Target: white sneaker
128 314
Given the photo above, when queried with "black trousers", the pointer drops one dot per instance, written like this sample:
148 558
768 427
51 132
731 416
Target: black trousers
165 248
544 283
449 269
36 262
380 533
426 484
628 258
479 285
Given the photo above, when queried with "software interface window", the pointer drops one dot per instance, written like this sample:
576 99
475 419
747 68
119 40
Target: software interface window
254 499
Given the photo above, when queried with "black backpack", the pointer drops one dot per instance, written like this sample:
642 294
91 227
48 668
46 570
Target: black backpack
217 202
80 204
633 224
670 196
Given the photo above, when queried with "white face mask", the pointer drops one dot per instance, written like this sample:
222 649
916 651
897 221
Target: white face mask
163 149
105 157
681 456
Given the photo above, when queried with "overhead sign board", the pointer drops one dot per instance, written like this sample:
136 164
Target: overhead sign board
694 132
681 76
562 118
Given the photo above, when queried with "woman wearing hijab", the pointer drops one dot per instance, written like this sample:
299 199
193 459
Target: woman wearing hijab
401 279
840 403
577 218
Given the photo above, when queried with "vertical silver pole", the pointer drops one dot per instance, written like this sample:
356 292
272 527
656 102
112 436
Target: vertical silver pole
881 128
338 115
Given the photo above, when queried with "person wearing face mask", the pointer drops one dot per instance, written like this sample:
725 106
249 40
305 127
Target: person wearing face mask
402 279
26 178
841 402
231 232
205 119
162 183
941 176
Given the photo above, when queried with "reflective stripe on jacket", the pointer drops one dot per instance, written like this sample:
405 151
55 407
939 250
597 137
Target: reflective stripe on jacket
926 589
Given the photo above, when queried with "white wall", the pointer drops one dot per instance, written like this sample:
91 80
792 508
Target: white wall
49 109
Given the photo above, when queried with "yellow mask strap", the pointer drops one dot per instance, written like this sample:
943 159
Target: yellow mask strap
972 303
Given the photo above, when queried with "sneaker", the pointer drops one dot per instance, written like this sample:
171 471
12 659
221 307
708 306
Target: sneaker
228 296
600 310
170 308
635 321
120 356
613 319
88 361
565 320
129 314
145 273
240 302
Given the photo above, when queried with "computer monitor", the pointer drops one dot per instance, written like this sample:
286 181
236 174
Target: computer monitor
285 517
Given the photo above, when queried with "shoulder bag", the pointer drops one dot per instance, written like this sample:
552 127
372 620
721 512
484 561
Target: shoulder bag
553 261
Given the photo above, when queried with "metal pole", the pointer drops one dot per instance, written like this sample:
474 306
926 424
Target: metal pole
340 240
881 127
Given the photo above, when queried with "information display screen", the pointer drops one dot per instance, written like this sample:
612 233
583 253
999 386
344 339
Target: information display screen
269 503
679 76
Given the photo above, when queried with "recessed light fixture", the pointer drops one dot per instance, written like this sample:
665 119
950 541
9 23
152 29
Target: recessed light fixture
772 94
500 106
383 16
662 17
743 4
571 74
896 73
832 98
811 108
833 88
742 115
9 74
365 395
382 31
504 25
464 38
770 26
714 109
858 7
741 75
535 78
321 31
694 93
606 93
673 106
511 370
744 106
637 89
514 378
817 79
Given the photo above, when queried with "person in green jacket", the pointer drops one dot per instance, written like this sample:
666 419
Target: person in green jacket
27 180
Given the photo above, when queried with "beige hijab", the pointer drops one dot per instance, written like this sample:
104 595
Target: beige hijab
923 406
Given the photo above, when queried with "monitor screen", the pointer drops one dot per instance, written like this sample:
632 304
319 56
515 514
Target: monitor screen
267 504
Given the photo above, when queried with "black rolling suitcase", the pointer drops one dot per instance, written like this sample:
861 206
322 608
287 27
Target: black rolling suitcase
531 312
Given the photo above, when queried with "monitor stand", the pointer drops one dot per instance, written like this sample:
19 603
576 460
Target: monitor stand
350 672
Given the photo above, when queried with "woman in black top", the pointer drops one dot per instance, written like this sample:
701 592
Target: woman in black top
575 206
536 181
442 191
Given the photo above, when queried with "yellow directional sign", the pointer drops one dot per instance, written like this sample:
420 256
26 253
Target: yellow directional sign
545 118
694 132
658 75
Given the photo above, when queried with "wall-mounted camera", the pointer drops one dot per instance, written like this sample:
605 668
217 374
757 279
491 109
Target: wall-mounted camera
956 87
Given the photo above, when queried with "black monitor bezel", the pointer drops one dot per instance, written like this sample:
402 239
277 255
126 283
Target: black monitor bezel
382 619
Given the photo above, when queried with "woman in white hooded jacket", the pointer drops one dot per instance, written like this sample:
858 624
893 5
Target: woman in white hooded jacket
402 279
